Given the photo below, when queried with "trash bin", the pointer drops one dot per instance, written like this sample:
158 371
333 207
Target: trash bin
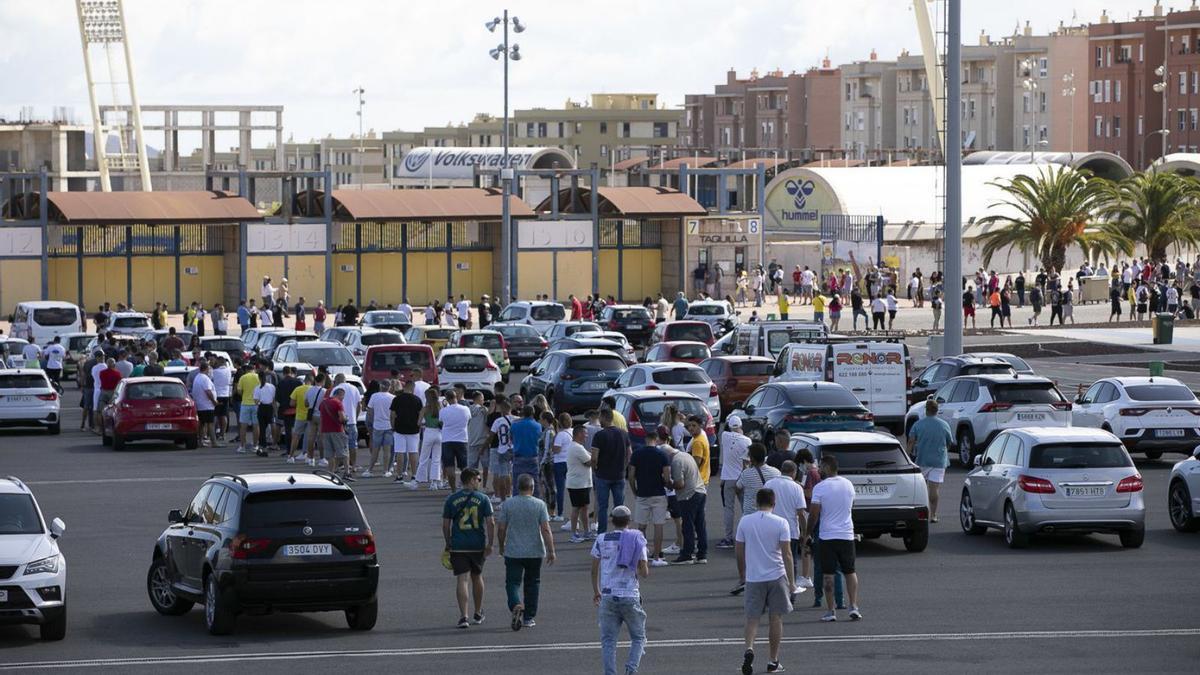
1163 328
1156 369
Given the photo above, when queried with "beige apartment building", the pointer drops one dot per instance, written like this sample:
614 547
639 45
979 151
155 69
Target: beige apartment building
868 100
611 128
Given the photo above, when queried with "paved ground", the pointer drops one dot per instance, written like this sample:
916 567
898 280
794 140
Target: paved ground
1077 604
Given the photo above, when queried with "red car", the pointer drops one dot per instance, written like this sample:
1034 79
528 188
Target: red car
150 408
736 377
676 331
678 352
381 360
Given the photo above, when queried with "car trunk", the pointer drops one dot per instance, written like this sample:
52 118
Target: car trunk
881 473
1031 404
1084 476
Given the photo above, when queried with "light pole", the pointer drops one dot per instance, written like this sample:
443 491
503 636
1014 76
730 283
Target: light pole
361 102
1031 88
1069 90
504 51
1160 87
1165 132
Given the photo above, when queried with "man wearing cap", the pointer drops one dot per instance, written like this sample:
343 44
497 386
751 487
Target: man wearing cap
618 560
735 448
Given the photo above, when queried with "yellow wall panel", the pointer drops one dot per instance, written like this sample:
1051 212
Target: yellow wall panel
344 283
535 274
153 281
382 274
205 286
104 281
306 277
574 270
64 279
643 274
608 272
426 278
474 281
20 280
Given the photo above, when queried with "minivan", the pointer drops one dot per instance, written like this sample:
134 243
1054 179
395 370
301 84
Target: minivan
877 373
38 321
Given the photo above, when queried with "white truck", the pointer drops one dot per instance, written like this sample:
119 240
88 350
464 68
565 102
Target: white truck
767 338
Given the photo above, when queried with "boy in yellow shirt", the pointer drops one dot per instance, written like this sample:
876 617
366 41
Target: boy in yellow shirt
818 304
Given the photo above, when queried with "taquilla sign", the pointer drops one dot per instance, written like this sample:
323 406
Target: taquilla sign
796 200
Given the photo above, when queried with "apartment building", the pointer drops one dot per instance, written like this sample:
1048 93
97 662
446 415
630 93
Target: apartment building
1126 115
58 145
606 130
868 105
1050 112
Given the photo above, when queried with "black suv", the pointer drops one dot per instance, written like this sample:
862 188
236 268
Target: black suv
635 322
947 368
573 380
263 543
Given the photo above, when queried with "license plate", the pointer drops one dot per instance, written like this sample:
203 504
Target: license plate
160 427
595 386
634 326
1030 417
870 490
308 549
1168 433
3 596
16 399
1084 491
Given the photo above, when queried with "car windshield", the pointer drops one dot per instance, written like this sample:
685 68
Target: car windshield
1033 392
326 356
752 368
681 376
437 334
818 397
464 363
652 410
986 369
387 317
55 316
706 310
154 391
596 363
1079 456
516 331
1160 392
547 313
131 322
382 339
23 381
689 331
18 515
78 343
690 352
302 507
574 328
400 360
866 456
480 341
230 345
633 314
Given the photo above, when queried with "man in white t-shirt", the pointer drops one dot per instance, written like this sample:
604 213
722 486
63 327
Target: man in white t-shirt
264 397
420 386
618 559
351 401
31 353
55 355
222 379
791 506
831 510
455 418
205 396
379 415
501 461
579 484
765 571
464 312
735 455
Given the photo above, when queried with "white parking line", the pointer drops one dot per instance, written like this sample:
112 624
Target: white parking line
581 646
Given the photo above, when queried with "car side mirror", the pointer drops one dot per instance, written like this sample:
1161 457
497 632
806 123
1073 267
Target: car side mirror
175 516
981 460
356 370
1196 452
57 527
939 399
749 410
920 383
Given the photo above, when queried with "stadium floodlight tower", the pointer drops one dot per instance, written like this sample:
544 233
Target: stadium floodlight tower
102 22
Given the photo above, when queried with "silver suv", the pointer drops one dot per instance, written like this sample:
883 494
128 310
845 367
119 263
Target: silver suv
889 492
977 407
1048 480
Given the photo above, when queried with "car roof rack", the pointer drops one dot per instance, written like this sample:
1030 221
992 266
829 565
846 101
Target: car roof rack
231 476
329 476
18 482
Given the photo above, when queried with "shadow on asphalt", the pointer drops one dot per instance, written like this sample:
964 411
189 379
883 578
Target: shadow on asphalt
130 628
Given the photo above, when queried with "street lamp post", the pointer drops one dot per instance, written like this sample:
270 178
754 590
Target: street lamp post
361 102
1031 87
1165 132
1160 87
1069 91
504 51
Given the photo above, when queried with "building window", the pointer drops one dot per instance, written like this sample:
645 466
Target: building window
1116 93
1196 81
529 129
560 130
1183 82
604 127
579 127
859 123
1025 107
1099 128
971 109
1025 136
541 129
1126 54
604 150
847 91
661 129
1193 112
1099 57
1141 52
1140 125
1182 115
846 121
1108 55
1043 66
1043 132
625 130
1096 91
1116 126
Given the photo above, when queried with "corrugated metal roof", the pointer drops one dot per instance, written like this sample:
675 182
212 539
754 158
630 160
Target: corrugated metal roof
693 162
150 207
631 201
440 204
769 162
627 164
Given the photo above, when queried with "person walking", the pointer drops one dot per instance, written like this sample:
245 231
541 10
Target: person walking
735 447
830 511
767 571
618 561
379 419
754 477
526 437
246 386
333 432
430 458
455 418
502 456
469 528
791 505
562 440
878 312
691 494
782 299
935 304
405 415
579 484
205 396
649 475
610 456
931 440
524 539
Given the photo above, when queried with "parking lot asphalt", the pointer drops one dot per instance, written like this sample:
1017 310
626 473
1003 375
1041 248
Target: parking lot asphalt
967 603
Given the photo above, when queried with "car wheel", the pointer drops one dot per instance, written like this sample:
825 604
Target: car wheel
191 442
1153 454
966 515
118 443
105 439
917 540
1132 538
55 429
55 629
362 617
966 446
218 615
162 593
1013 536
1179 505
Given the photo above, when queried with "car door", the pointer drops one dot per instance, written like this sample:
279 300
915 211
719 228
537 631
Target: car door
768 410
748 412
1087 412
986 480
180 548
929 381
207 532
948 401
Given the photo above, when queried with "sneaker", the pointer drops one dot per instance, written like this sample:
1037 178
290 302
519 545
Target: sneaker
829 617
748 662
477 619
529 623
591 536
387 474
855 615
556 519
775 667
673 549
739 589
683 560
659 562
365 474
323 462
701 560
290 460
312 462
804 582
399 479
412 485
577 538
725 543
463 622
517 617
240 450
566 527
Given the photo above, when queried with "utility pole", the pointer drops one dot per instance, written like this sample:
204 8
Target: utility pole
361 102
506 172
952 284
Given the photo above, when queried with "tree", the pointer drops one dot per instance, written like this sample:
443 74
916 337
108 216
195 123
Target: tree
1156 210
1053 210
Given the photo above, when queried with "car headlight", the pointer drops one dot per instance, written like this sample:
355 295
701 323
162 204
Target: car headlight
44 566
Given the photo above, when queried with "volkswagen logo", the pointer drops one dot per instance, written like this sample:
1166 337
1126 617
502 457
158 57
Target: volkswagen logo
413 161
307 530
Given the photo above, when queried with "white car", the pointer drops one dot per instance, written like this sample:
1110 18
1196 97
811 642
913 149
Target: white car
669 376
1148 414
34 590
359 339
539 314
472 368
1183 494
314 354
11 350
27 399
716 313
129 323
630 354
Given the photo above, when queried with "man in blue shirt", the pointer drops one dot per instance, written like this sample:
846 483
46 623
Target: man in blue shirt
931 440
469 529
243 316
681 307
526 434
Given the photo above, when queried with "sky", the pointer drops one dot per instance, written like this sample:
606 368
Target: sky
425 63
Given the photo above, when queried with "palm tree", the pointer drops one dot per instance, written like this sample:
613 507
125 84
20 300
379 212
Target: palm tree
1053 211
1156 210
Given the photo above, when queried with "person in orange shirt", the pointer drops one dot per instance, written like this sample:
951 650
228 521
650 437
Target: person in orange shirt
994 301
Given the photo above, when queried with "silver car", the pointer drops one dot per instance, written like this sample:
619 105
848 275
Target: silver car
1183 495
1049 480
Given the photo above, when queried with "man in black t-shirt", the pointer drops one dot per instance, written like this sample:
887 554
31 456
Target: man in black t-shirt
406 423
610 455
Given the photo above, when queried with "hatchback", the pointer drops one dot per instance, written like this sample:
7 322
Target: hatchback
269 342
798 407
673 377
564 329
539 314
231 346
947 368
1183 494
736 377
363 338
525 344
472 368
333 357
716 313
677 352
1151 415
643 410
150 408
1051 480
33 569
676 331
386 319
488 340
76 346
633 321
613 346
630 354
435 336
27 399
573 380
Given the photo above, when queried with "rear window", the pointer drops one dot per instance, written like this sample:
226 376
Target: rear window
694 332
301 507
1079 456
631 314
521 330
77 344
1026 393
986 369
866 457
690 352
438 333
1160 392
388 317
821 396
225 345
778 339
55 316
653 409
706 310
463 363
572 329
30 381
400 360
326 356
18 515
746 369
480 341
131 322
154 391
382 339
681 376
547 313
596 363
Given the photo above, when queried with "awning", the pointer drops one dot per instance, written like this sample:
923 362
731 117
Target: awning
159 208
629 201
691 162
769 162
438 204
626 164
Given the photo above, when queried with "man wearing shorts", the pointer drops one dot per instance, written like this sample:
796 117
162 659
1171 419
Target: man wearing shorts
247 384
379 417
333 432
832 503
469 529
406 431
501 459
455 418
300 426
931 439
649 475
205 396
351 400
763 545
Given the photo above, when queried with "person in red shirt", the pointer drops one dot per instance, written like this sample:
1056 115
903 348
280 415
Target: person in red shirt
333 432
576 308
109 377
587 314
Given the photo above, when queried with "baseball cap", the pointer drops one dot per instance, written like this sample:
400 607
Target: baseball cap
734 422
621 511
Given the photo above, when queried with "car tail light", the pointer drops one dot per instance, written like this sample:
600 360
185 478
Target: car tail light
48 397
1061 405
828 370
710 425
612 324
544 343
636 428
490 366
1130 484
1035 485
864 416
995 407
797 418
359 543
922 513
1133 412
1194 411
243 547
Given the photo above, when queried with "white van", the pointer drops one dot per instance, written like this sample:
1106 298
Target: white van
877 372
767 338
38 321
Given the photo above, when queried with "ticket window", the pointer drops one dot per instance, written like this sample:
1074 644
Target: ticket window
739 259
